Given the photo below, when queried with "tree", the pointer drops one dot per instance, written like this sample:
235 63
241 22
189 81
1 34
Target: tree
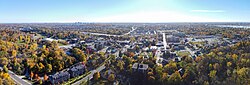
132 39
83 57
120 64
131 54
198 59
229 64
159 71
212 74
171 67
175 78
97 76
5 69
21 38
45 77
14 53
40 81
37 77
31 75
235 57
111 77
164 78
41 67
4 61
243 72
151 79
79 55
1 81
216 66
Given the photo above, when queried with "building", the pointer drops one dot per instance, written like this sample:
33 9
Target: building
179 34
59 77
26 29
140 68
172 39
123 43
77 70
62 76
159 44
139 73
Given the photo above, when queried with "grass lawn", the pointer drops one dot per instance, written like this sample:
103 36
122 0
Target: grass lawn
197 43
73 80
183 53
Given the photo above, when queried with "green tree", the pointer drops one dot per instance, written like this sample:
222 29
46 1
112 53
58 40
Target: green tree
5 69
48 68
212 74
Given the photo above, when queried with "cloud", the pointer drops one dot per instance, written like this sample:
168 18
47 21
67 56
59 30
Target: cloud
209 11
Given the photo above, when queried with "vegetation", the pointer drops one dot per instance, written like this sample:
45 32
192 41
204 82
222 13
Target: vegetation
223 65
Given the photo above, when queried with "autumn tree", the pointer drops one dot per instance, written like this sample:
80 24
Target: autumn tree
97 76
31 75
175 78
14 53
111 77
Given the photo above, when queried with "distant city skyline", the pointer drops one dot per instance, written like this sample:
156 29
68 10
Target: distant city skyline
148 11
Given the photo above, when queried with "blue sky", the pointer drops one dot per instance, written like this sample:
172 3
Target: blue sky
27 11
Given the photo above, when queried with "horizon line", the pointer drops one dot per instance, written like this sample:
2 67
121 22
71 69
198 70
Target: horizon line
114 22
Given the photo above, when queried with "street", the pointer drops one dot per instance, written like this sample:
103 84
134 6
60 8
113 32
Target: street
17 79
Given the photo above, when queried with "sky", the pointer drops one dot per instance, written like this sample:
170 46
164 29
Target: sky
46 11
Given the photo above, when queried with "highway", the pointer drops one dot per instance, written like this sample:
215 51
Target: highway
133 29
164 41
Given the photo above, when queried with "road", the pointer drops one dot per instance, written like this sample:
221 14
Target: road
158 52
67 46
17 79
90 76
133 29
99 69
164 41
190 51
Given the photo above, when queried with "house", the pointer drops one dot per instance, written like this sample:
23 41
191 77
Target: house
62 76
77 70
159 44
177 59
140 68
90 47
26 29
123 43
99 45
111 50
164 62
59 77
179 47
72 41
172 54
139 73
172 39
131 48
179 34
